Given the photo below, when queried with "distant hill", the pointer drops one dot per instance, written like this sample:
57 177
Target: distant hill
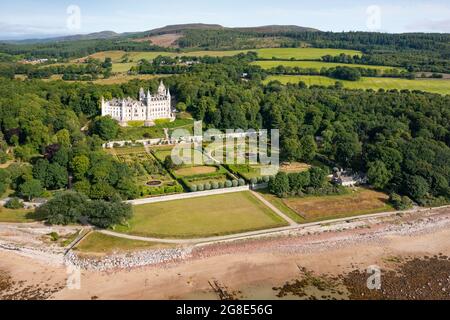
276 28
78 37
182 27
177 28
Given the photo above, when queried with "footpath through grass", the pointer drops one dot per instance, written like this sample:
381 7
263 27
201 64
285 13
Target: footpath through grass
202 217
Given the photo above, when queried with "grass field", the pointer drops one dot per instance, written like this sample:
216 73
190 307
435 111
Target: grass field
302 53
362 201
98 243
195 171
267 53
315 65
15 216
202 217
137 133
441 86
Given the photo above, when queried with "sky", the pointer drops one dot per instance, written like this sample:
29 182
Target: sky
23 19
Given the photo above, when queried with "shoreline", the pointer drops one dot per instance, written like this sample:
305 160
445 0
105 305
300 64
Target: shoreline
251 267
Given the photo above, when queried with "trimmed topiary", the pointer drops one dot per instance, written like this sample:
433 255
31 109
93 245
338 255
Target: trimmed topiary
228 184
241 182
235 183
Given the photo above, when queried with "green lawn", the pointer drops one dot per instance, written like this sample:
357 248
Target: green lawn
302 53
136 132
202 217
13 216
98 243
315 65
441 86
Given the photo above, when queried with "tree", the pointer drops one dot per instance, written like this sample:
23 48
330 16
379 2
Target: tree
127 188
65 208
280 185
79 166
57 177
298 181
378 175
61 156
308 148
63 138
106 214
291 149
31 189
105 127
82 186
102 190
348 148
317 177
181 106
417 187
399 202
40 171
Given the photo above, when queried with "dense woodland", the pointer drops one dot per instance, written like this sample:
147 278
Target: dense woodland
400 139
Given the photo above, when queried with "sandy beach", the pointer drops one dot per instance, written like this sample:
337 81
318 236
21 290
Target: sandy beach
249 269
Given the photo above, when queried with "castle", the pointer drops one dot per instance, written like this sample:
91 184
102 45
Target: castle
148 109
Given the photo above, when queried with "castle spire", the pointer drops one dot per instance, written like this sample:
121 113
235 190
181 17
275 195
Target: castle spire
162 89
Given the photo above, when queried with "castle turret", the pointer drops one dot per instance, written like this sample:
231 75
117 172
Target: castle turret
141 94
162 89
104 111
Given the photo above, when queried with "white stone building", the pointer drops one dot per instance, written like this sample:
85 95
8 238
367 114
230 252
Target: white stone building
148 108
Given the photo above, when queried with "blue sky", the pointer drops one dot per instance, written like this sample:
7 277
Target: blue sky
26 18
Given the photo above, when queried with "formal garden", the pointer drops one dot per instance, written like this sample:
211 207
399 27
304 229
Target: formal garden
151 176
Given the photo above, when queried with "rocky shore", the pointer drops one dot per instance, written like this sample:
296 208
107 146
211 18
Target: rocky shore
129 260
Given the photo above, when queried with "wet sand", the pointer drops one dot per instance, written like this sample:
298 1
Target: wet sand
248 269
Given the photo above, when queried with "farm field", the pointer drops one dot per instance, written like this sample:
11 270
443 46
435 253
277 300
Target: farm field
302 53
430 85
132 58
207 216
99 244
359 202
316 65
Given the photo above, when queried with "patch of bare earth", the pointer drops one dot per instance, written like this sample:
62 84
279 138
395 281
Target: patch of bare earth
164 40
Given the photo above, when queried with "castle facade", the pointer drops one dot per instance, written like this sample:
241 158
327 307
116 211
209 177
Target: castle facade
148 108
